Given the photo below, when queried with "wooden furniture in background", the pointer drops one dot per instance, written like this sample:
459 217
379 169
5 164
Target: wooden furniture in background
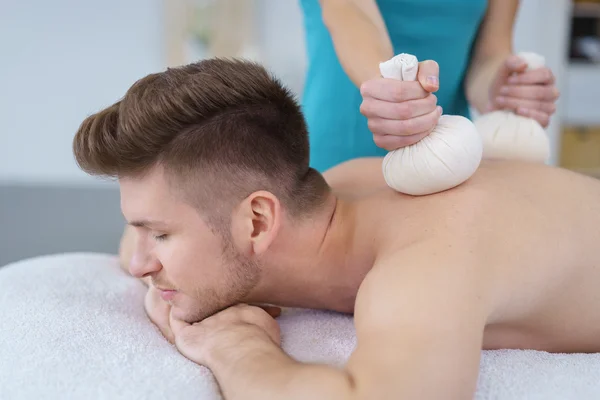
580 149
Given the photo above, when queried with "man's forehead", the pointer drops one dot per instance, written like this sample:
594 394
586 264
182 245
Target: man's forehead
149 194
150 201
143 186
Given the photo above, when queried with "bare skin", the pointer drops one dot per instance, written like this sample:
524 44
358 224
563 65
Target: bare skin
510 259
538 232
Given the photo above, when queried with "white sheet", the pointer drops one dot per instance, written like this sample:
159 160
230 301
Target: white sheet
73 327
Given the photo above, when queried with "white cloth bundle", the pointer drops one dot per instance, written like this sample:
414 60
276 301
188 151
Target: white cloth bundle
508 136
445 158
73 327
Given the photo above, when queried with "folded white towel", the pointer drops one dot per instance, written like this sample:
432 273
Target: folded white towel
73 327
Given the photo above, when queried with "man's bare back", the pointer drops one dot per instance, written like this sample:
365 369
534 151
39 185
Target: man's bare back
536 227
508 259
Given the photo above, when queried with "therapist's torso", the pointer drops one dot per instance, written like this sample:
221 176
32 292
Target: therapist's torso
440 30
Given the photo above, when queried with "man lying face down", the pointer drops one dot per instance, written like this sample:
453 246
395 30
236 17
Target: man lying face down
212 162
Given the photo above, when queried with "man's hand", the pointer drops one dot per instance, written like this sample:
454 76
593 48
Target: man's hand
401 113
241 347
528 93
158 311
237 329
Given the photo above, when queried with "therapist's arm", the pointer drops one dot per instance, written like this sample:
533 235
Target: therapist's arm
359 36
491 52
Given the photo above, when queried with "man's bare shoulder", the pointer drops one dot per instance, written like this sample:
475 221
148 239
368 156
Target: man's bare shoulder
422 268
356 177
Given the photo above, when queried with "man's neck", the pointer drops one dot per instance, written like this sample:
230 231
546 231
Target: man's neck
316 262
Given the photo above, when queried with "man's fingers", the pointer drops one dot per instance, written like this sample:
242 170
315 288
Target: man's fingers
534 77
372 108
513 103
176 324
429 75
530 92
168 334
423 123
248 312
273 311
392 90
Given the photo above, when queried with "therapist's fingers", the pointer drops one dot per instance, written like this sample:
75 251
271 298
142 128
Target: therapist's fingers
533 77
513 103
392 90
373 108
429 75
541 117
393 142
531 92
423 123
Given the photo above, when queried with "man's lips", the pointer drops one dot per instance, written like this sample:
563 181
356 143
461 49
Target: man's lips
167 294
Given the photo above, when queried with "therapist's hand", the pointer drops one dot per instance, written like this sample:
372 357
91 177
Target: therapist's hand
402 113
528 93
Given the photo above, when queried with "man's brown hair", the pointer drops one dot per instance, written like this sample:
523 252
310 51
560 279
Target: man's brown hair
221 129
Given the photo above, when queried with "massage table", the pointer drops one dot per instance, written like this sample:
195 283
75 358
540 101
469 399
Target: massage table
72 326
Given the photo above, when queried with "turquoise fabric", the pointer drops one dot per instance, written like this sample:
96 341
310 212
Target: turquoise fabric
441 30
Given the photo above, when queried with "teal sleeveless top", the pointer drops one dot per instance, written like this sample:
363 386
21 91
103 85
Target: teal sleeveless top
440 30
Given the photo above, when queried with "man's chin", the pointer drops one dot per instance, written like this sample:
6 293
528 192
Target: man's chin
185 315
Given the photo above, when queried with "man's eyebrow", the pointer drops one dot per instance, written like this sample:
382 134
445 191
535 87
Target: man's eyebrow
144 223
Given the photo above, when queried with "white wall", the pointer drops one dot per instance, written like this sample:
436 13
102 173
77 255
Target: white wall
283 48
62 60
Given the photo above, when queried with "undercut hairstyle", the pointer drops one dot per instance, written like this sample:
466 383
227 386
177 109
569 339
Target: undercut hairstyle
220 129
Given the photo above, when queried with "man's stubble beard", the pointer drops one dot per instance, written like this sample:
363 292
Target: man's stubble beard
242 275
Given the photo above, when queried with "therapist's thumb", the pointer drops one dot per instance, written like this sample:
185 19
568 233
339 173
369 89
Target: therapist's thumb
429 75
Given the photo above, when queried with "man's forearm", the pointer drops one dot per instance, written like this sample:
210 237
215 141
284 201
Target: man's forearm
360 38
479 79
263 371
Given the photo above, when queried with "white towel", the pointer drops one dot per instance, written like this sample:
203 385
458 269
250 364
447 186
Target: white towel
73 327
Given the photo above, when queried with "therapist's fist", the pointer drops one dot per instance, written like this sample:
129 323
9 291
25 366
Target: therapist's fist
401 113
530 93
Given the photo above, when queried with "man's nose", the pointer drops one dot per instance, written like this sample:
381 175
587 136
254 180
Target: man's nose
143 265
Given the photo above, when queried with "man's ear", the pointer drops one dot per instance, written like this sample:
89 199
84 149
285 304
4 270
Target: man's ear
256 222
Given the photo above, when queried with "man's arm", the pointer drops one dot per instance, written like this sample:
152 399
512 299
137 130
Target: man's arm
359 36
493 46
419 320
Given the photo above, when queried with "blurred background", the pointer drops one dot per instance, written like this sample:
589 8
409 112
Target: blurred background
65 59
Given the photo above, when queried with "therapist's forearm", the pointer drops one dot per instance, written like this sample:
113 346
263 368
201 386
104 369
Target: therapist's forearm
361 41
480 78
